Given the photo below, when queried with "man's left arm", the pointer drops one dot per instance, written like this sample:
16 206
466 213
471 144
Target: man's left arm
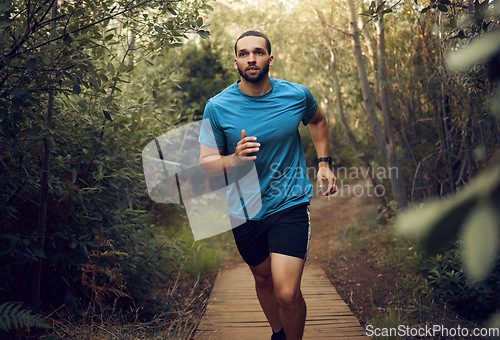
319 134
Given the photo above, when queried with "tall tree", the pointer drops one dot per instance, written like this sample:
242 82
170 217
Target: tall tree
382 143
331 70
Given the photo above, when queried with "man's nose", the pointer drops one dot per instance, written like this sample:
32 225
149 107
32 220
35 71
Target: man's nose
251 58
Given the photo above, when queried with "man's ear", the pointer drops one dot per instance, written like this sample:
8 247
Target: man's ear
271 61
235 64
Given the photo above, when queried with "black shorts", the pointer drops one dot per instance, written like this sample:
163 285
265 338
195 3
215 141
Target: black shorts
285 232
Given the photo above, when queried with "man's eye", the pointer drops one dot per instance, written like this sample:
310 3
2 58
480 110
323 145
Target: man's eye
260 53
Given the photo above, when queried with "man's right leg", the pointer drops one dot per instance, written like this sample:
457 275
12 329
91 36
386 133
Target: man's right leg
265 292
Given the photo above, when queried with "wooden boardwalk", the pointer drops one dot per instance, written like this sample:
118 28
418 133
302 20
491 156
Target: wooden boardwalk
234 313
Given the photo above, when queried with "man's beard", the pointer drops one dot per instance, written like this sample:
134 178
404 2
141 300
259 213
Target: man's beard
256 78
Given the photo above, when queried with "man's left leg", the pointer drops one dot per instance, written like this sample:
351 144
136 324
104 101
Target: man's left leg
287 273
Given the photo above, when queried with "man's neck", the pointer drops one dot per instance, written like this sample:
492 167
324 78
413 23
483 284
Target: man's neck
255 89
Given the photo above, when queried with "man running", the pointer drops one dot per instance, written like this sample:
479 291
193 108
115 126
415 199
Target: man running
256 119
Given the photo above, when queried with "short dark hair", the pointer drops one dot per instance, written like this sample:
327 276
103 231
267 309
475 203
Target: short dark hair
253 34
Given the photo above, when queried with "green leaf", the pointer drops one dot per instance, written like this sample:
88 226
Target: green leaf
12 315
173 12
31 64
199 22
99 52
485 26
4 24
107 115
46 60
380 7
480 241
83 104
443 8
77 89
439 222
478 50
204 34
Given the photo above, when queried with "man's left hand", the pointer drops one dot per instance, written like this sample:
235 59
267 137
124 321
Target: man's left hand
326 174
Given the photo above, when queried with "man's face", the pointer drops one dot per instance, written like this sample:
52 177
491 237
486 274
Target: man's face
252 59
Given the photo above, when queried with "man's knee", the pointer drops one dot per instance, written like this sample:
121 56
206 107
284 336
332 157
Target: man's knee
263 280
287 296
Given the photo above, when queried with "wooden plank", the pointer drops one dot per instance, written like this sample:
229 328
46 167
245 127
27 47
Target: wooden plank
234 313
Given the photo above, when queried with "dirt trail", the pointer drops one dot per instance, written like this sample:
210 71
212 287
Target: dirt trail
328 215
356 274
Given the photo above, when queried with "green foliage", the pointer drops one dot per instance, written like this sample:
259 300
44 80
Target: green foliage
205 257
466 277
351 235
374 10
112 92
468 282
447 284
14 316
471 211
442 220
430 288
204 76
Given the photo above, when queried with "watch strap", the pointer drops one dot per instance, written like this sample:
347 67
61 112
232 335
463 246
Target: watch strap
325 159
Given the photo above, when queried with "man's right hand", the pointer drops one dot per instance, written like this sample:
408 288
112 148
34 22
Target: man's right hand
246 146
214 164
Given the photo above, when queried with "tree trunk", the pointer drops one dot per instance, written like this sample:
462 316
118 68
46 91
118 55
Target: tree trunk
380 140
331 70
372 49
352 138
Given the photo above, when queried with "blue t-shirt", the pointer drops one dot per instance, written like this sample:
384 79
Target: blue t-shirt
274 119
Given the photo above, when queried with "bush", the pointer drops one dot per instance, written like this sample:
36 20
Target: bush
473 301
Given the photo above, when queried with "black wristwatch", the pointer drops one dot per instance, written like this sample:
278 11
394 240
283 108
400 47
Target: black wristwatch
326 159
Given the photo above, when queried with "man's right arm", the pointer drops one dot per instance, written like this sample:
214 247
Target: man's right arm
214 163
